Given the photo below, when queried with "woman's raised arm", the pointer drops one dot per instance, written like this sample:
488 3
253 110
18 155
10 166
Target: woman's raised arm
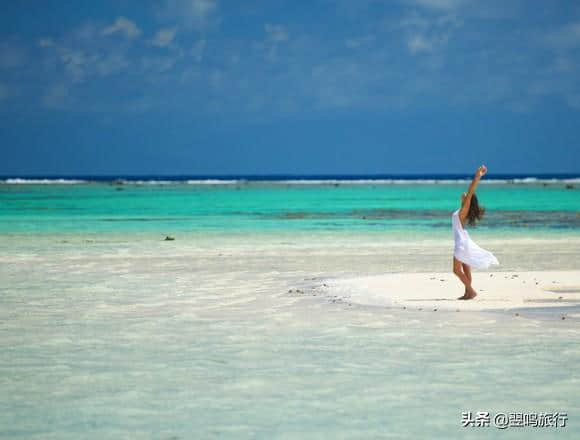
478 175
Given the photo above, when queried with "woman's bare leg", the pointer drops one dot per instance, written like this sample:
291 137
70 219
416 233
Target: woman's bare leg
467 272
458 270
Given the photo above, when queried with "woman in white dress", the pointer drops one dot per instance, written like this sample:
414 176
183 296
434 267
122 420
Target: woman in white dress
467 253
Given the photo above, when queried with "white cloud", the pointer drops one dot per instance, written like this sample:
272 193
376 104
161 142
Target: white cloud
269 47
428 33
82 60
124 26
202 8
276 32
164 37
76 63
428 22
418 43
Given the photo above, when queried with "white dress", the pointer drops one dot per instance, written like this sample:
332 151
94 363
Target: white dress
466 250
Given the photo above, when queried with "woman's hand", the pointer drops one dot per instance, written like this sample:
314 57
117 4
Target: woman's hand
481 171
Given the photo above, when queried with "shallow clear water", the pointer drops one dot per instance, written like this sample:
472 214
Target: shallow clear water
110 332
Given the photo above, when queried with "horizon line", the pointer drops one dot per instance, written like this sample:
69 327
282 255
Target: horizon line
221 175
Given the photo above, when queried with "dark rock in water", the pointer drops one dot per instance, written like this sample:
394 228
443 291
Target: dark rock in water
118 182
169 238
569 186
119 188
544 184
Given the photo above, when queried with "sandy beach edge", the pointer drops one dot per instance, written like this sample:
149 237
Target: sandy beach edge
497 291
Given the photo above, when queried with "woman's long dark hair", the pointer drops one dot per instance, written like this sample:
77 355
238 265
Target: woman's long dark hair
475 211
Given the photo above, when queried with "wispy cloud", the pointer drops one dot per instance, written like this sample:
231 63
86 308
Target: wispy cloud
45 42
425 53
158 64
192 14
439 4
418 43
164 37
428 33
276 35
276 32
356 42
565 37
124 26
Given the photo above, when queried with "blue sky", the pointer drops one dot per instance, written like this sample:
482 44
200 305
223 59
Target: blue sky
299 87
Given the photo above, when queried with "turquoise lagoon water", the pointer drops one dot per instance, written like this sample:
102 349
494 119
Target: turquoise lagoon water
262 207
109 331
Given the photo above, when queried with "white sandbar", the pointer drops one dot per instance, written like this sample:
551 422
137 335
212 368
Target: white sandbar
496 291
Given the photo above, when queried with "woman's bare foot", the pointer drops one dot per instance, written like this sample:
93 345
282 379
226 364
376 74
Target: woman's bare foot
469 294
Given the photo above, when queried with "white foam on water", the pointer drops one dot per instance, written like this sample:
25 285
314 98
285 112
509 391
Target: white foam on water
19 181
249 181
214 181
